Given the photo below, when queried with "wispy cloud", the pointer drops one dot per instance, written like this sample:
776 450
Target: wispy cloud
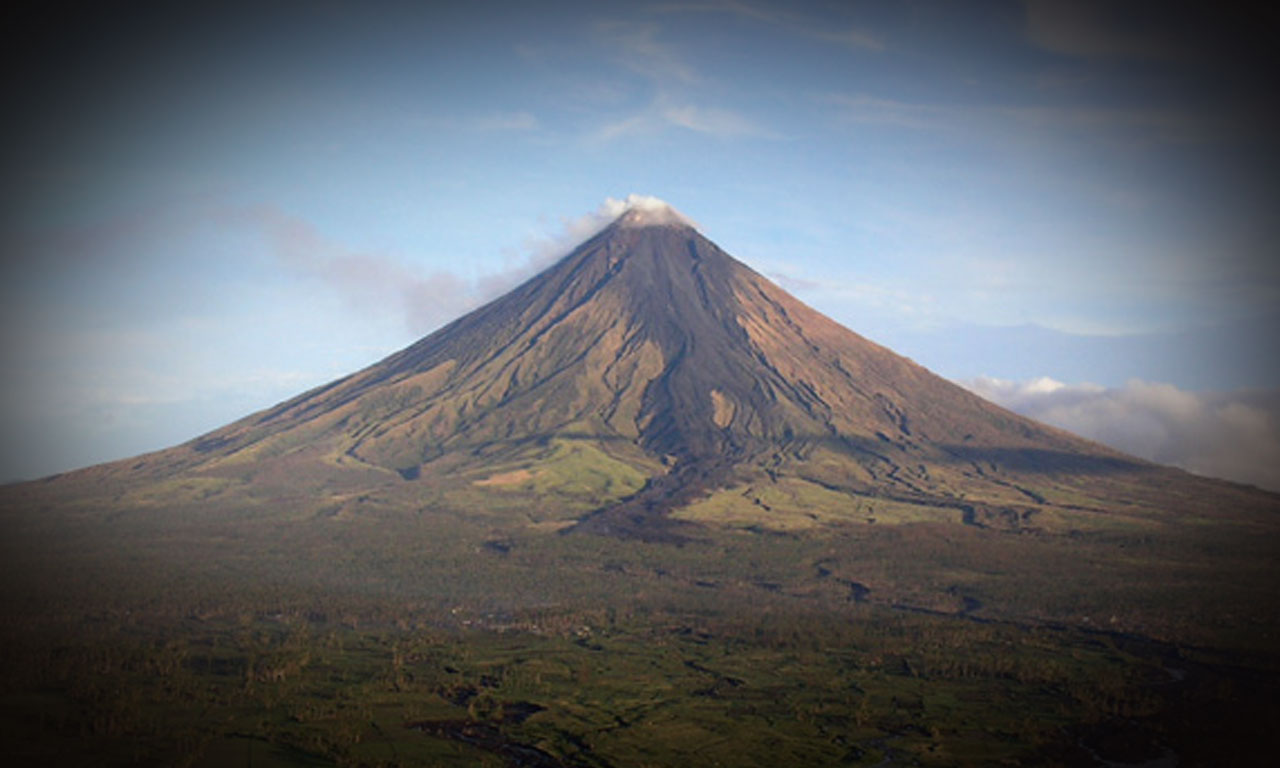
366 280
663 114
631 125
1232 435
715 122
636 46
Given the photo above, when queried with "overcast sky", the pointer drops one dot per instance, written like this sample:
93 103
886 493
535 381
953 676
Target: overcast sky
207 212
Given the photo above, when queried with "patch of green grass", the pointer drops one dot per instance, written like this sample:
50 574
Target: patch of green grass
793 504
576 473
577 468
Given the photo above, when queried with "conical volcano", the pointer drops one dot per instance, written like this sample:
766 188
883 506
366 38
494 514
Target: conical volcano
642 372
645 509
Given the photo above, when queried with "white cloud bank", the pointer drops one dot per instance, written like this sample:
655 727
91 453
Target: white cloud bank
1232 435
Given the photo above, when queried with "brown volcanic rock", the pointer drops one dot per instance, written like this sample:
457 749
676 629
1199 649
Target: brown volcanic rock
644 332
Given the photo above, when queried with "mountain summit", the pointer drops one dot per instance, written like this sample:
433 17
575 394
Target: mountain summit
651 212
644 371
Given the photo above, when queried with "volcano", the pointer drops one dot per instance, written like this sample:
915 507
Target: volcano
644 509
638 378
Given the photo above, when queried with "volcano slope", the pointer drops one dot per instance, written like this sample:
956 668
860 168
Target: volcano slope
647 446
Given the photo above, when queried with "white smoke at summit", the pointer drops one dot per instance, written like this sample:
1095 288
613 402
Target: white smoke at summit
546 249
650 209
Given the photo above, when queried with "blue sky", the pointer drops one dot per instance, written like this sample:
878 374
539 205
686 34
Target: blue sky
207 212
